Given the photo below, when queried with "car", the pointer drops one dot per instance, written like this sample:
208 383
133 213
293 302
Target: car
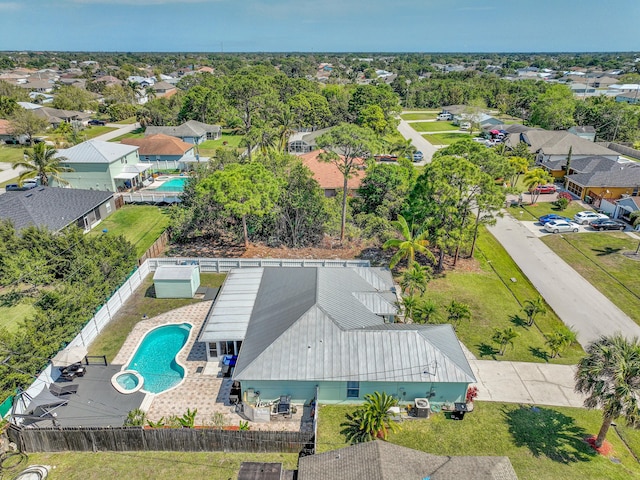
444 116
552 216
14 187
607 224
557 226
545 189
465 126
587 216
100 123
418 156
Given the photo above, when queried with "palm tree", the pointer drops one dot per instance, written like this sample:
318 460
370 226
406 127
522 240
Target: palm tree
372 420
403 148
41 162
425 310
610 377
457 311
533 179
559 340
284 123
408 304
409 244
415 279
532 308
505 337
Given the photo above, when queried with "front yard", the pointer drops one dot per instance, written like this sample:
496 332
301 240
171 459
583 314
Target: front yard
444 138
599 258
433 126
420 116
541 442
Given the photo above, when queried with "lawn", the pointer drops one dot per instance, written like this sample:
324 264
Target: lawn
543 443
208 148
140 224
419 116
11 315
93 132
152 465
142 302
9 154
445 138
598 258
535 211
127 121
433 126
496 302
137 133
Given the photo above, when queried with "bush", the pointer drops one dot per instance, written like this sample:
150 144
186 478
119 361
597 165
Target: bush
561 203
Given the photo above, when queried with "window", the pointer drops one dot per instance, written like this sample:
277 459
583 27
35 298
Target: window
107 207
213 350
226 348
353 389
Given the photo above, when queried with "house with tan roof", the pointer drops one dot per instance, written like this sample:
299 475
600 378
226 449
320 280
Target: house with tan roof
164 89
328 175
164 151
191 132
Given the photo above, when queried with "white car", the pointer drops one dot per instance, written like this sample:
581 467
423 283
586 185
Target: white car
588 216
557 226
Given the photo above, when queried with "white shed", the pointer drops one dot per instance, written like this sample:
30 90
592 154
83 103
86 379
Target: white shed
176 281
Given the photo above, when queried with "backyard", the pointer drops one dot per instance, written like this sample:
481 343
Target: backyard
495 290
208 148
140 224
599 258
541 442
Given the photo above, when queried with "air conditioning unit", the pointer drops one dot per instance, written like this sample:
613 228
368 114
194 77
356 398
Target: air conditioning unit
422 407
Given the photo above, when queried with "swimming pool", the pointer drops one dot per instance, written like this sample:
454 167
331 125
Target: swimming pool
155 358
174 185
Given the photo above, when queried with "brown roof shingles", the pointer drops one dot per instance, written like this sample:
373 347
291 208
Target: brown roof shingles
159 144
328 175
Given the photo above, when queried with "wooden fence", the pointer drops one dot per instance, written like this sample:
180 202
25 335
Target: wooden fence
156 249
128 439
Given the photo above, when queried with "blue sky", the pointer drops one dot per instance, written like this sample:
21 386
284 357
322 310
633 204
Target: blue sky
320 25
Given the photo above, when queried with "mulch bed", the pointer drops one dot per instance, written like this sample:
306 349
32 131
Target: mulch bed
606 449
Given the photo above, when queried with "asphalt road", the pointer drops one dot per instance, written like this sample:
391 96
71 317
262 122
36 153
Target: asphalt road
418 141
578 303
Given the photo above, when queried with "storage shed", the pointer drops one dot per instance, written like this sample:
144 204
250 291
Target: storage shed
176 281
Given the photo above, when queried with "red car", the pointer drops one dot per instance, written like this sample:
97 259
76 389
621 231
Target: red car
546 189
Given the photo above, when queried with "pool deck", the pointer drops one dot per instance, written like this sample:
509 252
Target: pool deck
203 388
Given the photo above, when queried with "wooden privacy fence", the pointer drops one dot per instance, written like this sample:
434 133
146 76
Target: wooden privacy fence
156 249
127 439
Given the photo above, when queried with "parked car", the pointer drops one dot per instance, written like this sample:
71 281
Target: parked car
587 216
465 126
545 189
444 116
418 156
607 224
13 187
552 216
557 226
100 123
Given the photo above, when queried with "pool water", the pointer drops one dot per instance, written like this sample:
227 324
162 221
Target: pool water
155 358
127 381
173 185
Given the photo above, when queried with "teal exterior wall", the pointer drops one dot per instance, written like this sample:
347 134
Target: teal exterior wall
178 288
336 392
98 176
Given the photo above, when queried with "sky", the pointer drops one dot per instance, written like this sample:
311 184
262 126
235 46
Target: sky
320 25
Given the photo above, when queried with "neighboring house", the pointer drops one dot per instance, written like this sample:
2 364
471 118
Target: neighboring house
622 207
379 460
329 177
165 152
56 116
104 166
191 132
304 142
604 81
587 132
164 89
596 178
37 85
328 334
56 208
628 97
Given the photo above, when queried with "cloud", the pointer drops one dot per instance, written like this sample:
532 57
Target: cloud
7 6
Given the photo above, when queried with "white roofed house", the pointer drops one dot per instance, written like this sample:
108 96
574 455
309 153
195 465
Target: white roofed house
295 330
104 166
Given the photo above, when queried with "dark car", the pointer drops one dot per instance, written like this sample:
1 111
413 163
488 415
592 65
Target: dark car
14 187
100 123
553 216
607 224
545 189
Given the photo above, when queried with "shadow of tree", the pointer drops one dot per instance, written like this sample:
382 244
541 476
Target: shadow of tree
605 251
539 353
487 350
518 321
548 433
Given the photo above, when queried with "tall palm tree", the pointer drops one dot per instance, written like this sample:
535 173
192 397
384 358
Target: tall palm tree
409 244
415 278
403 148
610 377
284 123
533 179
41 162
532 308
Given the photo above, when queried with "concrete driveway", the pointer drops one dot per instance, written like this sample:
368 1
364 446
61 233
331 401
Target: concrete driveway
418 141
578 303
121 130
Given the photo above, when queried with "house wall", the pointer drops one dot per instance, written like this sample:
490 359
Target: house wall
611 193
90 176
336 392
174 288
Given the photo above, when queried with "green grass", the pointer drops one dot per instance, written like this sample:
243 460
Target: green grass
598 258
137 133
10 316
433 126
7 182
208 148
495 302
533 212
152 465
142 302
93 132
9 154
419 116
545 444
445 138
127 121
140 224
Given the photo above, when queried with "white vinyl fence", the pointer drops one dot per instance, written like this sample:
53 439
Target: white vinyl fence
107 312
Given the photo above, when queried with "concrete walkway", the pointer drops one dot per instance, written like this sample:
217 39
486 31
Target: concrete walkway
578 303
418 141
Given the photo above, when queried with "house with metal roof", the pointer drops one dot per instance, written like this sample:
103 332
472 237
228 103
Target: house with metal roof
56 208
101 165
329 333
191 132
304 142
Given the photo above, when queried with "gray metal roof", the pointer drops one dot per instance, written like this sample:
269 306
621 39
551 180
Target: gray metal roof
96 151
53 208
380 460
174 272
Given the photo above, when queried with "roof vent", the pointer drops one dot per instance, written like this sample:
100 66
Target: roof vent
29 194
41 189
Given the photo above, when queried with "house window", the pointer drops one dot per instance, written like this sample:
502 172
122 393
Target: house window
213 349
353 389
107 207
227 348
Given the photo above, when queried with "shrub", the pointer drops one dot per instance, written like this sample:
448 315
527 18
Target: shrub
561 203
